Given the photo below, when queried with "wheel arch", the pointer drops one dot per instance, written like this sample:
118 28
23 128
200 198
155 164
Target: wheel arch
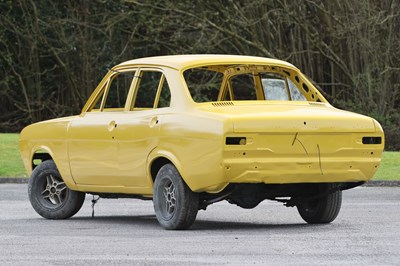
43 153
158 159
40 155
156 165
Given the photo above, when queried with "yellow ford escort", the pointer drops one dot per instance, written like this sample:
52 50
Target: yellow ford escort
190 130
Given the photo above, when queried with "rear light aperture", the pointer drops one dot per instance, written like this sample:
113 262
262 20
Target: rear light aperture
236 141
372 140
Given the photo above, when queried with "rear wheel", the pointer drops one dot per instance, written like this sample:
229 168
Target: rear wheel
321 210
50 196
175 205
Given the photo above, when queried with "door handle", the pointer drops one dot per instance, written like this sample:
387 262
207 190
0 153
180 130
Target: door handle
153 121
112 125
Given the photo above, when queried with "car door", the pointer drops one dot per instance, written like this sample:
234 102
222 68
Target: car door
138 130
92 146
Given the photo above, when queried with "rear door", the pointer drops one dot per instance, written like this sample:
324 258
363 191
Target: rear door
138 130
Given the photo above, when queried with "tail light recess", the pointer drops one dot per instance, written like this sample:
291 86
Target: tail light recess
236 141
372 140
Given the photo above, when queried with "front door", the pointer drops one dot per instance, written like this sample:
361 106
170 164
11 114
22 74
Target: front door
93 149
92 143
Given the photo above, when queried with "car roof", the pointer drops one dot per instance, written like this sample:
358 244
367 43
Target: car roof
186 61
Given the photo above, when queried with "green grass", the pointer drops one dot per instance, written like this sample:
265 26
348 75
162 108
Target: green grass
11 162
390 167
10 159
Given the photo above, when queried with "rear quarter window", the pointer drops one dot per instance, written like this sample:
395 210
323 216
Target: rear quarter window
203 84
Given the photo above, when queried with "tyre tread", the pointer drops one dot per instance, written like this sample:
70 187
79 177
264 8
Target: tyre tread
75 198
185 216
327 209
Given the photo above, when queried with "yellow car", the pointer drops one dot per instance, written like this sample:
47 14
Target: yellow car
187 131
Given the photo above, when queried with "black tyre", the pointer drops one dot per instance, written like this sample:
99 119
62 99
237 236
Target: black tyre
322 210
49 195
175 205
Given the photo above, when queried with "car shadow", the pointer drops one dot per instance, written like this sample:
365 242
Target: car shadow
202 225
144 220
199 225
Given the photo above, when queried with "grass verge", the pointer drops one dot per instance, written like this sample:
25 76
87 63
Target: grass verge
390 167
11 162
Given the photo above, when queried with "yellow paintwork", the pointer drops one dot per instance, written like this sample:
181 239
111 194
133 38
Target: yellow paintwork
287 142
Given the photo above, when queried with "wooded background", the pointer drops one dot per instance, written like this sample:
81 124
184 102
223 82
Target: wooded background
54 53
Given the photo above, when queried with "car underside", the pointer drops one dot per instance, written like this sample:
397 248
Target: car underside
249 195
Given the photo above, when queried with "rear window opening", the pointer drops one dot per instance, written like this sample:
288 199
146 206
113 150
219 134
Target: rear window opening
247 83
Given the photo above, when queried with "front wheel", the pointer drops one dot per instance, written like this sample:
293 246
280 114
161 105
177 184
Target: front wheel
50 196
175 205
321 210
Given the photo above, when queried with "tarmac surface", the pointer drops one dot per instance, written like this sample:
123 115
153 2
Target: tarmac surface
126 232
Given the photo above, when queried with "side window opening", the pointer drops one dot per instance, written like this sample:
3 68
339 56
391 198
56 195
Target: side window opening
165 94
118 90
147 88
203 84
114 92
97 105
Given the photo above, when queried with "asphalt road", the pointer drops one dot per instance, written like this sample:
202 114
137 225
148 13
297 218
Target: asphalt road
125 231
